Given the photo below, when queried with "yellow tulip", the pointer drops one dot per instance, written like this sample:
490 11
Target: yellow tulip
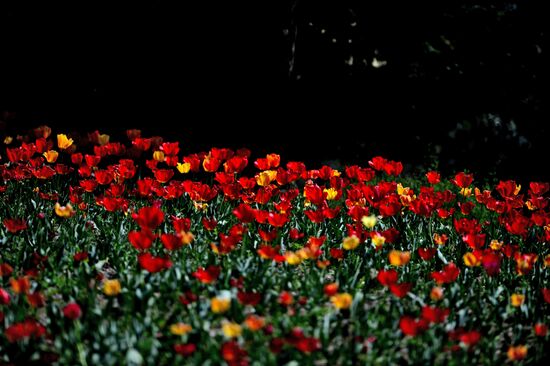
231 330
158 156
399 258
51 156
350 242
183 168
64 211
63 142
103 139
517 300
180 329
331 193
292 258
369 221
341 301
266 177
111 287
378 240
220 305
471 260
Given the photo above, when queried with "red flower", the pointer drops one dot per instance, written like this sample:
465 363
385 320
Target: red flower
80 256
308 344
244 213
24 330
315 194
4 297
412 327
233 354
463 180
171 241
276 219
207 276
249 298
72 311
387 278
15 225
104 177
153 264
449 274
400 289
236 164
149 217
433 314
164 175
286 298
541 329
209 224
491 262
185 349
433 177
470 338
427 253
141 240
538 189
92 160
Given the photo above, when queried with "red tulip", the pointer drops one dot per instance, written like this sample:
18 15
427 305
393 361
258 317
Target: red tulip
72 311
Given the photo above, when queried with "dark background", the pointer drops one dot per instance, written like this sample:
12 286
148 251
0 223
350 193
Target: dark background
465 82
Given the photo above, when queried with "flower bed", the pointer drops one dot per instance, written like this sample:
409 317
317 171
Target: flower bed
136 252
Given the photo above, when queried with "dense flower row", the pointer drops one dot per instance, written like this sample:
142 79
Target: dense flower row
130 252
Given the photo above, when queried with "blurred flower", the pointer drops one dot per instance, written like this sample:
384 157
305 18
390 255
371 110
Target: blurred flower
254 322
517 300
72 311
220 305
436 294
342 300
516 353
180 329
350 242
369 221
111 287
541 329
64 211
399 258
378 240
183 168
231 329
185 349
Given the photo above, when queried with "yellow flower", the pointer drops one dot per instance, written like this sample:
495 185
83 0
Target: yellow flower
369 221
63 142
266 177
399 258
64 211
158 156
471 260
378 240
231 330
517 300
220 305
8 140
331 193
183 168
341 301
103 139
496 245
51 156
180 329
350 242
111 287
292 258
187 237
466 192
517 352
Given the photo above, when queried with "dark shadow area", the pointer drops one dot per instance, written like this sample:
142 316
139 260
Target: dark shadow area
462 83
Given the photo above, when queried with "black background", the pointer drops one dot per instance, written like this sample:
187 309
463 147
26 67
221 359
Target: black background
217 74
